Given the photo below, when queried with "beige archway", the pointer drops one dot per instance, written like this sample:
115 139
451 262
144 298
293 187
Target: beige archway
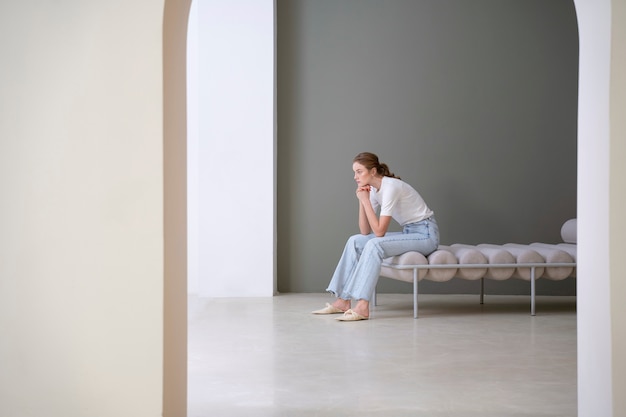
175 323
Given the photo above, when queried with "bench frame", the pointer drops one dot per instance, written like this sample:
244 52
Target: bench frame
531 266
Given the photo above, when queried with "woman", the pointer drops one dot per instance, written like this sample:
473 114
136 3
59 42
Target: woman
357 273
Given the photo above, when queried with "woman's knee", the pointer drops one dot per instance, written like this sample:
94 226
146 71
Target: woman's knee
374 246
359 240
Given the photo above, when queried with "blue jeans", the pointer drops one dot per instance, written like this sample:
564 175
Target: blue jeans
358 269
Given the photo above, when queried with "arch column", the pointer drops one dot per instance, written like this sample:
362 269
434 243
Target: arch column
175 20
601 195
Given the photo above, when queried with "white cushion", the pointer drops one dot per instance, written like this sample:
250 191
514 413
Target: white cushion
568 231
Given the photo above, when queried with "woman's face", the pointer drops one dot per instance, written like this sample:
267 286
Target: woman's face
362 175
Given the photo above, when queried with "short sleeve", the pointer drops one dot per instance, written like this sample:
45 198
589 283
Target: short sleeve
390 196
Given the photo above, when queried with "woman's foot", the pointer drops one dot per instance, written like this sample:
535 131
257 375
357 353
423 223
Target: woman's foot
350 315
328 310
339 306
360 312
362 308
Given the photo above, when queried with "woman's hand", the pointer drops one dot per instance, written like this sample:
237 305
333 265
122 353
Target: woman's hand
368 221
363 193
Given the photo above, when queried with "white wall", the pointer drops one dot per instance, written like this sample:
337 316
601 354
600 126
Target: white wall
193 156
231 167
81 218
618 203
601 373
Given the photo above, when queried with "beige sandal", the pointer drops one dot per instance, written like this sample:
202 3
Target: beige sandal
329 309
351 315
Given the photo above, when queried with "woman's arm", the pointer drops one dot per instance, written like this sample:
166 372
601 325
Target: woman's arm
364 224
368 221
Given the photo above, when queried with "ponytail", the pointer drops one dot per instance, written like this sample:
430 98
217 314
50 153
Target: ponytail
383 170
370 160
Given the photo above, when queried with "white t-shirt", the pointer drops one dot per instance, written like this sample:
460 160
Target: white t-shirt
399 200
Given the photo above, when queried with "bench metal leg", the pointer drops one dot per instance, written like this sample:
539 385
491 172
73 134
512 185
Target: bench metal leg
415 293
482 290
532 291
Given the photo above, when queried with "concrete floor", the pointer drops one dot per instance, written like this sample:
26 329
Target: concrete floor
271 357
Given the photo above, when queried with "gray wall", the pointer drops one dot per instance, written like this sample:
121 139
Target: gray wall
472 102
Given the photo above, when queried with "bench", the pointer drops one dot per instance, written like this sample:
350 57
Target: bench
528 262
